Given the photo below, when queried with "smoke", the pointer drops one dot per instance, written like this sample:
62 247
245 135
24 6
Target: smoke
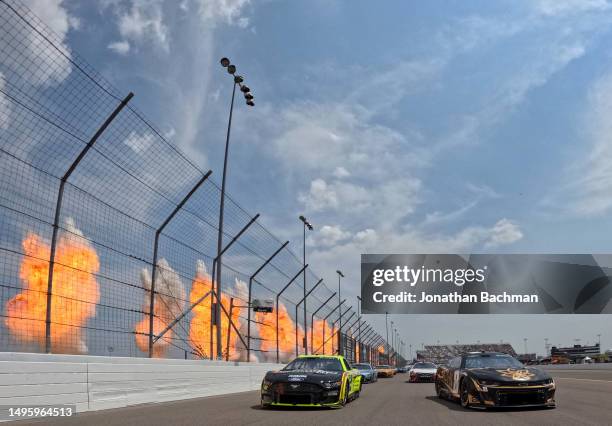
169 304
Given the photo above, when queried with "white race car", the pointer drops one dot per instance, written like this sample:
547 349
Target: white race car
423 372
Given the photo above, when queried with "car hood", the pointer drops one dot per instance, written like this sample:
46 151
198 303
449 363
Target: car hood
510 375
300 376
424 370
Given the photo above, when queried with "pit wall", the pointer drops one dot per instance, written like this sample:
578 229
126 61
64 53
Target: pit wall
95 382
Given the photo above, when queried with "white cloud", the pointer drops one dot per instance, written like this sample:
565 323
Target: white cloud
320 196
120 47
144 21
4 106
571 7
227 11
504 232
589 179
340 172
33 67
328 236
139 143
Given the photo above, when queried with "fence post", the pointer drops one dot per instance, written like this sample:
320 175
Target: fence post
58 209
296 317
278 295
325 321
216 316
158 232
312 322
229 329
251 278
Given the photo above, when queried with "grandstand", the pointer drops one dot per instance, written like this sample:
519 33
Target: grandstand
440 354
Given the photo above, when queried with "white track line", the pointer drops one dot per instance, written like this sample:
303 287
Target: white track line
585 380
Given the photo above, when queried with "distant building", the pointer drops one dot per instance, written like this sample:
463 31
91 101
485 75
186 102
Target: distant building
575 353
440 354
527 358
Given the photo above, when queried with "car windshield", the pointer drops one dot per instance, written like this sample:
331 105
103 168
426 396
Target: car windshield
492 361
380 367
314 364
424 365
362 366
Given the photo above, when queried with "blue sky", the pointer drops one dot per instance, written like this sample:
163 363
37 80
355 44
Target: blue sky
394 126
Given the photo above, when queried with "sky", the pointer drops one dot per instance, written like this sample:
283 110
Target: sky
394 127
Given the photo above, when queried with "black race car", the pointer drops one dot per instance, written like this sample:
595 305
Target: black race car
491 379
312 381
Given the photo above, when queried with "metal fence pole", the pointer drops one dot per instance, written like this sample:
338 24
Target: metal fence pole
296 316
158 232
325 319
312 322
214 314
229 329
58 210
278 295
251 278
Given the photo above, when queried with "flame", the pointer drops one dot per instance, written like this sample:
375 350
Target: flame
169 303
266 324
199 329
381 349
319 327
75 291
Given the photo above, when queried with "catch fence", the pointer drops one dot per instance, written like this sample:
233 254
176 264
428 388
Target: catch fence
92 195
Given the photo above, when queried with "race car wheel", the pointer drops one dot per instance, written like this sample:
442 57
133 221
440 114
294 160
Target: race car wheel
464 394
439 390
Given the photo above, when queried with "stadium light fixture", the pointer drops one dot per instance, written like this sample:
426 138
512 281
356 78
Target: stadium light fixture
310 228
237 80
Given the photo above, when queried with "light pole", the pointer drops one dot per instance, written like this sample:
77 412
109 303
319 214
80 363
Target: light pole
309 226
599 341
238 80
546 346
525 341
387 330
340 275
359 328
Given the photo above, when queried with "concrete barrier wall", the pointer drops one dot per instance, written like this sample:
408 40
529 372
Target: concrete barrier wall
577 367
93 383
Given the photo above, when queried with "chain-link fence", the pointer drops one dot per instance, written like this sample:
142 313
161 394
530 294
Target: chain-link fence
92 195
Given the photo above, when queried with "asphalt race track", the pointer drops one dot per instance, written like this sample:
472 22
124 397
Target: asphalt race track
584 397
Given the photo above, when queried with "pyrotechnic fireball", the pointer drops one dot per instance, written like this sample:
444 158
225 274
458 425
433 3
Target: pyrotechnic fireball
74 296
200 326
266 323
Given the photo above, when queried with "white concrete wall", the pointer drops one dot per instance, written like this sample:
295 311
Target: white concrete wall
93 383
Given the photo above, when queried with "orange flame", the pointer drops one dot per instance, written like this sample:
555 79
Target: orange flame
266 324
319 328
199 329
75 291
381 349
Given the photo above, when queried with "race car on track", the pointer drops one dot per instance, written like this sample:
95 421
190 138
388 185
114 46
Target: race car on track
423 372
491 379
385 371
368 372
312 381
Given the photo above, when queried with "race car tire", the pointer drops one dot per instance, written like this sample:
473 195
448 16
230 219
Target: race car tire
263 405
464 392
439 391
